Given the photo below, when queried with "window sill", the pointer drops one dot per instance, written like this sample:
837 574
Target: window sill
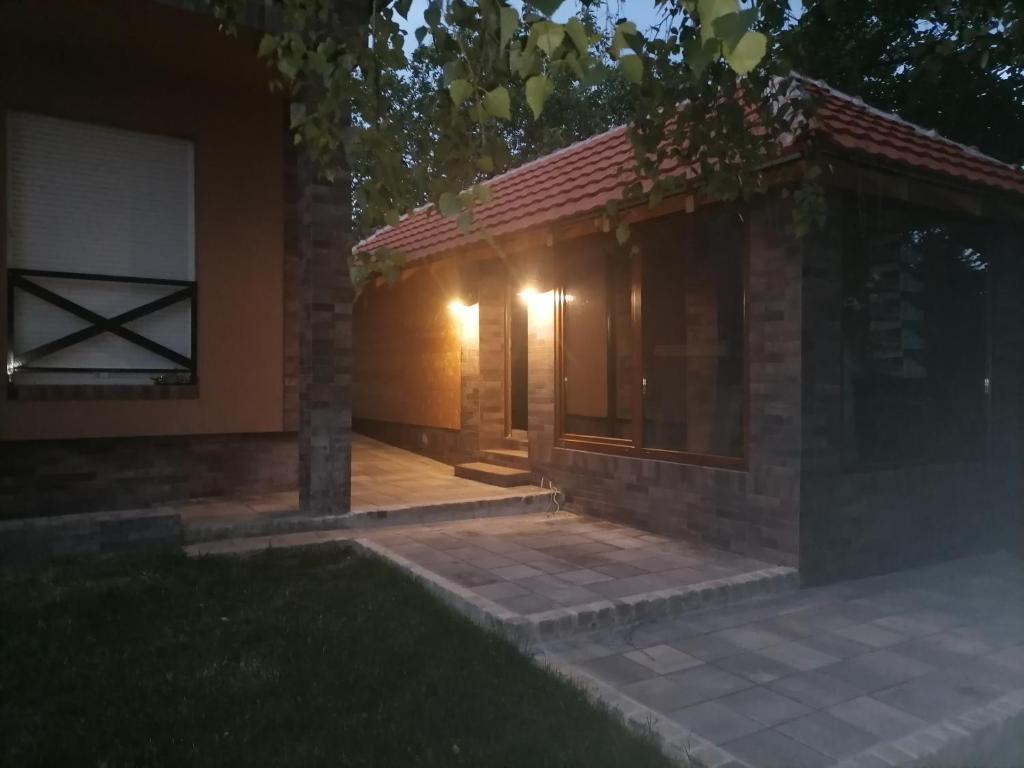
57 392
623 449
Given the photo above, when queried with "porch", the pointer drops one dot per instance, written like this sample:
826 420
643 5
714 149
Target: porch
389 485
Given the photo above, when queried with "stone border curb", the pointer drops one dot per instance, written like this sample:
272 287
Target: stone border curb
604 614
295 522
975 737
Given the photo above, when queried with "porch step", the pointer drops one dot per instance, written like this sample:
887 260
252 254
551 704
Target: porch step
494 474
516 458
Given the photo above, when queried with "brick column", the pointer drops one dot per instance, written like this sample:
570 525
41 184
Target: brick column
325 353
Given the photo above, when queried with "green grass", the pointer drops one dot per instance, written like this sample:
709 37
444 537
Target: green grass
289 658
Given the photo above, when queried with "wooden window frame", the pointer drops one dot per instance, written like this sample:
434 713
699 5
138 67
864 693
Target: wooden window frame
633 447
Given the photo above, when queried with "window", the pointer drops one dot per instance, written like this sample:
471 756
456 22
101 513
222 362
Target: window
100 254
596 340
915 335
651 350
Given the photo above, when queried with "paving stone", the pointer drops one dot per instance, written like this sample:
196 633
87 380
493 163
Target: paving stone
798 656
754 666
707 647
816 689
828 734
617 670
500 590
512 572
771 749
870 634
835 646
748 638
660 693
663 659
764 706
715 722
932 698
1010 657
584 576
528 604
706 682
877 717
878 670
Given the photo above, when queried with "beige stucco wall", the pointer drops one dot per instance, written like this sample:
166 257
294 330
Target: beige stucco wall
140 66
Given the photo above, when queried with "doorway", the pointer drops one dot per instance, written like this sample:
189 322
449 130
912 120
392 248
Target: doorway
517 375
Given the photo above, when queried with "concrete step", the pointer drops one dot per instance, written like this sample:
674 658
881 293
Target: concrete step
494 474
516 458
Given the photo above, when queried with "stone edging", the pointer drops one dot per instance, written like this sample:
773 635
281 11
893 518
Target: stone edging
972 738
295 522
562 622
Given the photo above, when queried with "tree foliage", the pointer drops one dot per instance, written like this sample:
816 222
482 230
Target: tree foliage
706 90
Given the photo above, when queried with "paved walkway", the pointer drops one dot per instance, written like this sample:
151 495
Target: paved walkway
877 672
548 575
385 479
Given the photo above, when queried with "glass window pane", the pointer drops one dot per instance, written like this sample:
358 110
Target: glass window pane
915 338
596 352
693 332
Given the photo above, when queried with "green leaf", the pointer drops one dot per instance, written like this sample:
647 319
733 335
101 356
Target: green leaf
268 44
421 33
297 112
632 67
391 217
402 6
732 26
622 31
747 53
578 34
460 90
710 10
547 7
448 204
699 54
548 35
465 221
433 13
485 163
538 88
498 104
509 24
483 194
452 71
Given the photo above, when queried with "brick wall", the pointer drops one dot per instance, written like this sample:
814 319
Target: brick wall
54 477
863 522
755 511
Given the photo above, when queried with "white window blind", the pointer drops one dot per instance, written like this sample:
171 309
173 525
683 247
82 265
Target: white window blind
89 199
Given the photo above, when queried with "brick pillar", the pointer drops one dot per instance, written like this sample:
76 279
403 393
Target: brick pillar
325 354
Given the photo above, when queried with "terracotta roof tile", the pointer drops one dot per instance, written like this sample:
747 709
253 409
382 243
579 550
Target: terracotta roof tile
585 176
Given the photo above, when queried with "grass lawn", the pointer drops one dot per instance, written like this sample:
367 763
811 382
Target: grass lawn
289 658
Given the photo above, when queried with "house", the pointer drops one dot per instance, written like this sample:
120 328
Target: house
849 402
177 315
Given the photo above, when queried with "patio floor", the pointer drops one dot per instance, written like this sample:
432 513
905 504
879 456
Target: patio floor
922 667
384 479
556 574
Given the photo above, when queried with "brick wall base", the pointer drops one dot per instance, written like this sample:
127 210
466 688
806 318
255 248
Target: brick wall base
59 477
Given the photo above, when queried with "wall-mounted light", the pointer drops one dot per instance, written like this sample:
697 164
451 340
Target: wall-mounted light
568 298
12 365
528 294
468 316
